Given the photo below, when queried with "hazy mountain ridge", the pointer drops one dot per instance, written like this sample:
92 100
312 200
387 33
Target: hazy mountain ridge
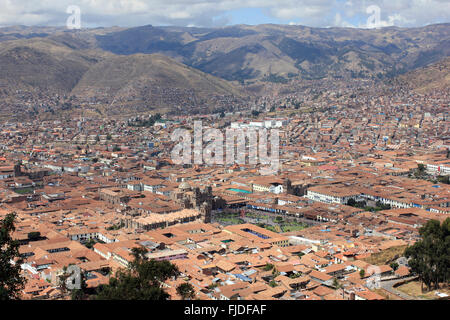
180 67
154 80
66 65
235 53
428 78
42 64
254 52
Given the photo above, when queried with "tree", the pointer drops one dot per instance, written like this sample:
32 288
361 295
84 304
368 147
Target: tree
268 267
139 255
336 284
444 179
63 280
90 243
140 281
382 206
362 273
421 167
429 257
212 286
186 291
75 293
117 226
80 294
157 117
275 272
394 265
11 280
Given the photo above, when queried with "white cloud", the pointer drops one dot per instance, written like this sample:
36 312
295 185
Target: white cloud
339 22
207 12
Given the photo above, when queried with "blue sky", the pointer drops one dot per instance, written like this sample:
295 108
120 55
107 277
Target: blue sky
217 13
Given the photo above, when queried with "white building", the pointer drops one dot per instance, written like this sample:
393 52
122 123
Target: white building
442 169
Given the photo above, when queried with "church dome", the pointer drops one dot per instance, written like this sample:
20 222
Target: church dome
184 186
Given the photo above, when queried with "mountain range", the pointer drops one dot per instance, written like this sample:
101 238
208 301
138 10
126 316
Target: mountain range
178 67
428 78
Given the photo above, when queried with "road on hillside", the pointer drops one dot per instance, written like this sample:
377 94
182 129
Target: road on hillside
389 286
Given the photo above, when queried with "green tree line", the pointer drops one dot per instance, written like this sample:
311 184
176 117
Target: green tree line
429 257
